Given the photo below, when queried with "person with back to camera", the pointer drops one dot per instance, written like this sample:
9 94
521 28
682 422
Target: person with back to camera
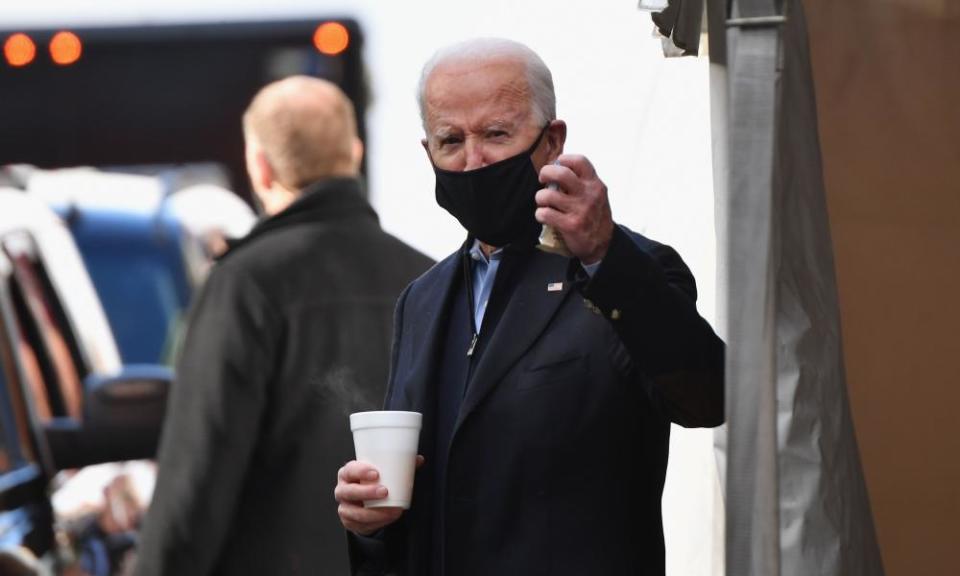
547 383
290 334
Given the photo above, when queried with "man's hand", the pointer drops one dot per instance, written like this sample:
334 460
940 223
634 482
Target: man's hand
356 482
579 209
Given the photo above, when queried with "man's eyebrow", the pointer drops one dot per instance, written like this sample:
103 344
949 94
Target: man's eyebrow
500 124
442 131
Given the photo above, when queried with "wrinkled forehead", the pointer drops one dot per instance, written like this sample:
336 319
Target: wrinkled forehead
473 90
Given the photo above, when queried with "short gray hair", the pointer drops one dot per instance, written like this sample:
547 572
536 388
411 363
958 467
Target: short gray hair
543 100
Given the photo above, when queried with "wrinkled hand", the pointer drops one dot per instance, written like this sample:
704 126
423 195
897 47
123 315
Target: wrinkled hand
356 482
579 209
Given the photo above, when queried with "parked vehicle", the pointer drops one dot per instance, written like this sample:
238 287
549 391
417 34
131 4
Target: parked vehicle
66 401
146 245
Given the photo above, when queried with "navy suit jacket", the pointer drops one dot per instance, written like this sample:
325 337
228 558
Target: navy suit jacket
558 456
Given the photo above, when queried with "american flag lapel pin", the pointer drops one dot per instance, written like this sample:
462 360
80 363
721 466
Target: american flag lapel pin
555 287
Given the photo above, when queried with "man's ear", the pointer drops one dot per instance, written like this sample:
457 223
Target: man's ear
556 136
264 169
356 154
426 148
258 168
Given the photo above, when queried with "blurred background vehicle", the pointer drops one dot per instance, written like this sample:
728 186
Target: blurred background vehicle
147 241
66 400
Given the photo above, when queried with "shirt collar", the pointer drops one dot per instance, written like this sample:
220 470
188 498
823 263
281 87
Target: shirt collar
476 253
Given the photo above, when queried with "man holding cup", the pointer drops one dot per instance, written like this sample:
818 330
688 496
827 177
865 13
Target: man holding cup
547 384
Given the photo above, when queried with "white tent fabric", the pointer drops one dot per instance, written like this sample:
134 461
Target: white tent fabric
796 498
752 528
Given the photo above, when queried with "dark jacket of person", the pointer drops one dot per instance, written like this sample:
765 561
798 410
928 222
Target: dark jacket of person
553 463
290 334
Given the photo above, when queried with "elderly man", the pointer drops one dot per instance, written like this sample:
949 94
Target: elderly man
290 334
547 383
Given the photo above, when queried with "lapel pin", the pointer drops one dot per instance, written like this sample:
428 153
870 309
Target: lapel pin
555 287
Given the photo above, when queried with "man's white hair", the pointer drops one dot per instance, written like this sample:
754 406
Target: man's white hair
543 101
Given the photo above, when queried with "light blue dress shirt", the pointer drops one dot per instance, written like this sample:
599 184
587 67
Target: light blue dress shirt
484 274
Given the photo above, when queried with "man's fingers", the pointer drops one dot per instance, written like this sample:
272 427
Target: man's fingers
550 198
578 164
358 492
562 176
358 515
356 482
553 217
366 521
354 471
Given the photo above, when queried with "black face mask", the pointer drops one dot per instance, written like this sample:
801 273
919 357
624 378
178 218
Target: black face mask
494 203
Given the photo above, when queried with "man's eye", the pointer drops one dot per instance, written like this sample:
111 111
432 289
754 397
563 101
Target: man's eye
497 134
450 141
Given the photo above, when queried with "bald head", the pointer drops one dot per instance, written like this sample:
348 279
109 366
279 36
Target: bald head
305 129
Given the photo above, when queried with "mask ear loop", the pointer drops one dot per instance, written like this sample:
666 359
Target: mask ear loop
550 240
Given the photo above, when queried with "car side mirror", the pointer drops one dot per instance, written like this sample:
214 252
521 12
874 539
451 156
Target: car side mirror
122 419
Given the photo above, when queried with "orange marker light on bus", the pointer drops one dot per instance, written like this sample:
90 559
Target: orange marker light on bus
65 48
19 50
331 38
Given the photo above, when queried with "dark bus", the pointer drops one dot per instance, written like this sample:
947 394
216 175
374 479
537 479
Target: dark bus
159 95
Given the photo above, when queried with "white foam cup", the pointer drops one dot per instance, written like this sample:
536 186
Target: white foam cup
388 439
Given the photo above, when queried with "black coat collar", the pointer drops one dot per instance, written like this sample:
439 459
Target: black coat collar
325 200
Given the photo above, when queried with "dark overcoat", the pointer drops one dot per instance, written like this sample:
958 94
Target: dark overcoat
290 334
